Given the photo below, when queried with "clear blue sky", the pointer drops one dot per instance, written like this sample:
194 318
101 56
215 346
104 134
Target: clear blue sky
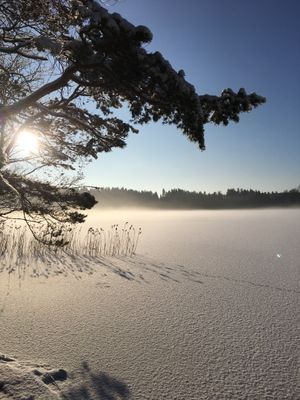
219 43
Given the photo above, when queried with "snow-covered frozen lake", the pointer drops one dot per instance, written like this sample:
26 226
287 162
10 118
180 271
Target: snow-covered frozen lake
208 309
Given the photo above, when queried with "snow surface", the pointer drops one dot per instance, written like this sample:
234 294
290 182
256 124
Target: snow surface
206 310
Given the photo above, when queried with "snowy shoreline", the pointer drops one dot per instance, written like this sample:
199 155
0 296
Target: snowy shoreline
206 310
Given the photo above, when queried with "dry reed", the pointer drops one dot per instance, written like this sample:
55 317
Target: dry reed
19 249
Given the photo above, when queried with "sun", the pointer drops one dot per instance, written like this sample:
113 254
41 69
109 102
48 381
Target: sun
27 142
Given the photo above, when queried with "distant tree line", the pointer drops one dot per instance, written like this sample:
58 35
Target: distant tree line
182 199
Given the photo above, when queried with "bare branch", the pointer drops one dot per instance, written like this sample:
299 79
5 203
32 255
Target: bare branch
43 91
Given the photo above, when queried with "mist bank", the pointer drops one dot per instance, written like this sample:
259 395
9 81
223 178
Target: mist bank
182 199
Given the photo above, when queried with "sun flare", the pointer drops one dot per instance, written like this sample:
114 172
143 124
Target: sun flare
27 142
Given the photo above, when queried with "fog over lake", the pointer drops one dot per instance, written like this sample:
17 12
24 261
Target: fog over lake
207 309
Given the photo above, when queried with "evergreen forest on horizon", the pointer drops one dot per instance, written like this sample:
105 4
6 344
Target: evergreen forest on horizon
183 199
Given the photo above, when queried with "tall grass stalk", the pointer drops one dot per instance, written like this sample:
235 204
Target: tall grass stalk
18 248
